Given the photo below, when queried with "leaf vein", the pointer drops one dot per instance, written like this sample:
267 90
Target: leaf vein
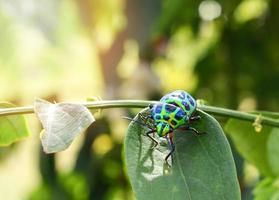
183 176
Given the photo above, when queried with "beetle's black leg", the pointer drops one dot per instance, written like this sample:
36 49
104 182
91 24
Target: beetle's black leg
172 148
195 131
152 138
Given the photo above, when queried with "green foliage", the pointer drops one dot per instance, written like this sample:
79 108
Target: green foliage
75 185
71 186
231 61
267 189
43 192
203 167
259 148
12 128
250 144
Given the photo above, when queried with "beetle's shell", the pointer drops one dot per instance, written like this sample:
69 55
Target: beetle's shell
164 113
181 99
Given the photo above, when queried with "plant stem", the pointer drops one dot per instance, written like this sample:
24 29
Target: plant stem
141 104
239 115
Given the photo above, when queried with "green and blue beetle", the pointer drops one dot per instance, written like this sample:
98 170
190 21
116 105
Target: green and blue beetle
175 110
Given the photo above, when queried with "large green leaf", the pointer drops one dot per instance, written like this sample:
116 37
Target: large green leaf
203 166
259 148
12 128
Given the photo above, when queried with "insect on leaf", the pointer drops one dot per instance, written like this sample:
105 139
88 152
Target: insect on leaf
62 122
202 168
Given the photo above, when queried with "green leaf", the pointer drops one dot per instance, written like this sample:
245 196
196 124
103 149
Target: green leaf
203 166
250 144
267 189
253 146
12 128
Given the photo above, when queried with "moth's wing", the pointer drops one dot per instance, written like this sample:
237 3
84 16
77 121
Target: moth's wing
62 123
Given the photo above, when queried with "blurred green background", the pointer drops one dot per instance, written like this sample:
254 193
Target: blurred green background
225 52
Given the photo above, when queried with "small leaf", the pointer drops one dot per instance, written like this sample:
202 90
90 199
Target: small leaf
258 124
252 145
203 166
12 128
62 122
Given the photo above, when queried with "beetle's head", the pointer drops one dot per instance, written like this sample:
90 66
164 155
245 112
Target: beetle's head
163 129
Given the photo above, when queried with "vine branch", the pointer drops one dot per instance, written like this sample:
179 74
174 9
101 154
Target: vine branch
141 104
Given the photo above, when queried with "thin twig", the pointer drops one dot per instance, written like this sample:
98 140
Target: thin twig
141 104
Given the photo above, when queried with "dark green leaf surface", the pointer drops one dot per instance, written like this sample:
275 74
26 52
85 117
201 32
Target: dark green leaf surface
259 148
203 166
12 128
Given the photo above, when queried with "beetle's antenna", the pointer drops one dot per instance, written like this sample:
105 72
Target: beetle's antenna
129 118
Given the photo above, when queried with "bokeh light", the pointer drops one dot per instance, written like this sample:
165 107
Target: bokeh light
209 10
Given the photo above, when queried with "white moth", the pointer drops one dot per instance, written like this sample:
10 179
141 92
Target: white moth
62 122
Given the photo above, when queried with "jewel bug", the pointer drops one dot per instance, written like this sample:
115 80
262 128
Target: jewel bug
174 111
181 99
